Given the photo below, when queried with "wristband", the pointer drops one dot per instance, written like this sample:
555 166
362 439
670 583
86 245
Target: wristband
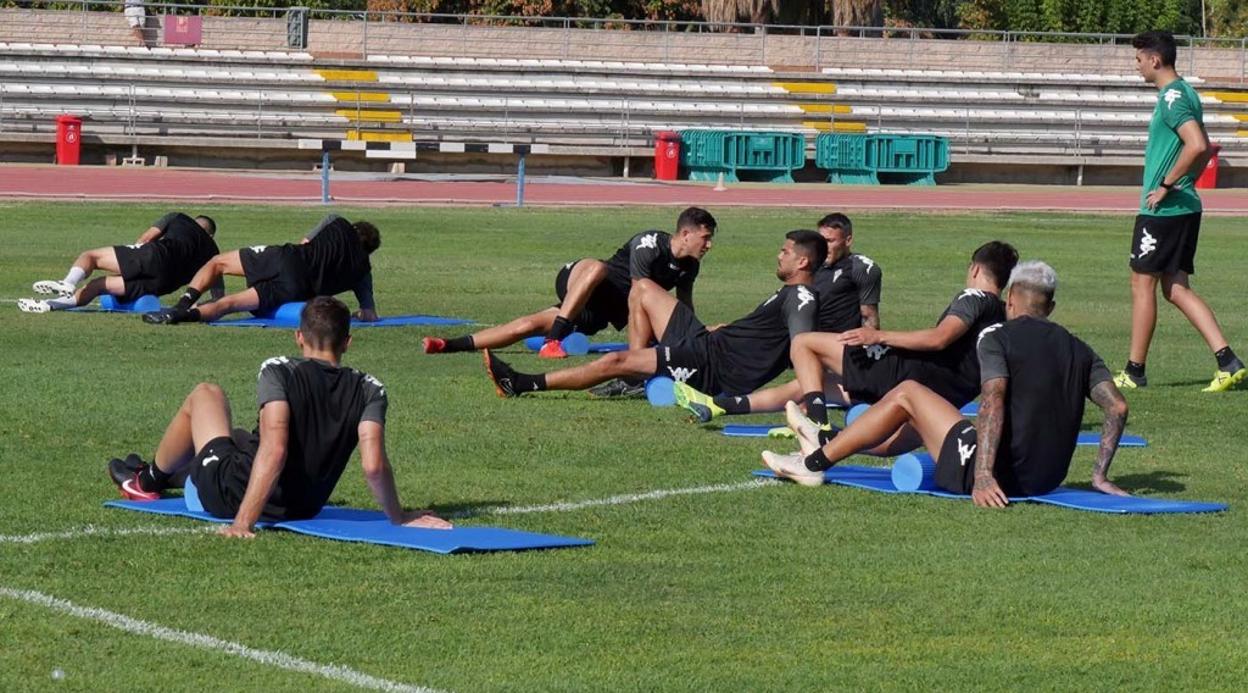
1167 186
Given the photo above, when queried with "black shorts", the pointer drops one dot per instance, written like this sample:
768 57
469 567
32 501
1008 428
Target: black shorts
955 467
869 373
143 272
606 305
277 275
1165 245
689 362
221 470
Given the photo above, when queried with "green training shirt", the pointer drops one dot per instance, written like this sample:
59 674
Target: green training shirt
1176 104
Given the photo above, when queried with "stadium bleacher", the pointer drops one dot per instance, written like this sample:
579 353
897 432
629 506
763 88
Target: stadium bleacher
264 99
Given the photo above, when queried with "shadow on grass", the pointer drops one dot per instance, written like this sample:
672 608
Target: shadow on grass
1160 481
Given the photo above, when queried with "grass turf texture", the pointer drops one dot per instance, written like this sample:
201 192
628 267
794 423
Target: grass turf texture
771 588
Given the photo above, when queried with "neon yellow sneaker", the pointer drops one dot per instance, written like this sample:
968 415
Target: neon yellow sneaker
1223 381
780 432
699 404
1126 381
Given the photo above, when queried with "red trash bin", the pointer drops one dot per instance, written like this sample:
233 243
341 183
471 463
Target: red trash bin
68 139
1209 177
666 155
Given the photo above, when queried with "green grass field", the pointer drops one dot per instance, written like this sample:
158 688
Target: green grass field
772 587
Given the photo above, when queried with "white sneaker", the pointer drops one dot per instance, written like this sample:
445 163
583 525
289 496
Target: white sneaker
807 431
51 286
30 305
792 467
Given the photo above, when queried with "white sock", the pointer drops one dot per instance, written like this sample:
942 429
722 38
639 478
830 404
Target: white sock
62 303
76 274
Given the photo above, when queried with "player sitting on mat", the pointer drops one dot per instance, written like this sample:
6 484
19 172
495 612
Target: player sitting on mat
596 293
738 357
848 285
313 414
1035 377
163 258
868 363
331 259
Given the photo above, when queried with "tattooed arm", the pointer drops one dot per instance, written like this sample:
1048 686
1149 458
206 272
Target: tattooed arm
987 492
1110 400
870 316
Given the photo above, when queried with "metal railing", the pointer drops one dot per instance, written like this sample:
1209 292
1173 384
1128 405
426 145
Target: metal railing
576 38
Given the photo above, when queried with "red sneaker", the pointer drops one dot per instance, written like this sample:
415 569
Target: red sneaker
552 349
433 345
132 491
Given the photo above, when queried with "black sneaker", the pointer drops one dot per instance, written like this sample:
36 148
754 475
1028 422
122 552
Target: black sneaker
167 316
125 474
503 375
619 388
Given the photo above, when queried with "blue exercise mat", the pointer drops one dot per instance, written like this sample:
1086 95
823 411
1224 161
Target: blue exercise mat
287 316
577 344
111 304
1086 438
372 527
880 479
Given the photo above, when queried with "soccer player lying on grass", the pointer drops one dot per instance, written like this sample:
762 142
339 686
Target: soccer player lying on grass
331 258
596 293
848 286
1035 377
163 258
313 413
737 357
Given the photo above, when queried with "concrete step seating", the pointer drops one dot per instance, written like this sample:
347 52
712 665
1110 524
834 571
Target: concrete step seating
963 77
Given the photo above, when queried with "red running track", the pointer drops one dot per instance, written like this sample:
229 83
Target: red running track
111 183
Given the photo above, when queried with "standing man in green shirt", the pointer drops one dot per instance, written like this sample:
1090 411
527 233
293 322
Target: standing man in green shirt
1163 246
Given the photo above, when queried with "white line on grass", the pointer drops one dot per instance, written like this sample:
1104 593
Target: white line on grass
280 660
93 531
619 500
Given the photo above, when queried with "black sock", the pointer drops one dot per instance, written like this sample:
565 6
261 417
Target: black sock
816 408
827 434
732 405
193 315
817 461
523 382
1225 358
559 329
1135 370
152 480
188 298
460 344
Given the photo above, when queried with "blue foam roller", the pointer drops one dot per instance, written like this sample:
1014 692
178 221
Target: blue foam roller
661 392
143 304
190 496
534 343
914 472
289 313
854 412
576 344
109 302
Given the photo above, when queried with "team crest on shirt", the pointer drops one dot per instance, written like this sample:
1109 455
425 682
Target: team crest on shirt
836 275
1171 96
804 296
1147 242
650 240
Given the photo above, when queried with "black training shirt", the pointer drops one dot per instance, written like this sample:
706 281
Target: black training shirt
844 287
751 351
978 309
1051 373
327 404
182 247
335 258
648 255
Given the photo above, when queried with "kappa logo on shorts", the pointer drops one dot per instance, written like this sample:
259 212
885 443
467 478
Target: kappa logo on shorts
1147 242
650 240
257 248
209 460
966 451
876 351
135 246
681 374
